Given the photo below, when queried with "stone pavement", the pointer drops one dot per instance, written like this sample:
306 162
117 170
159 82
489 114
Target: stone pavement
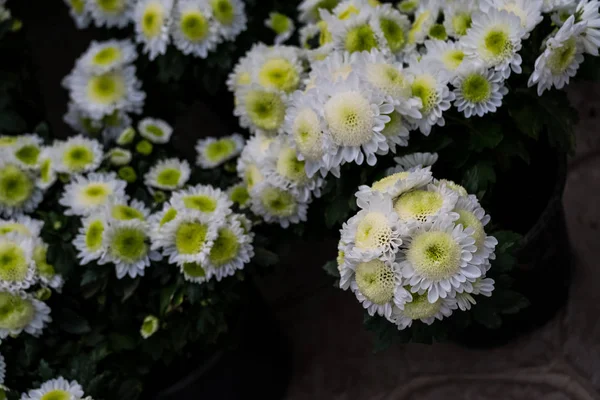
332 351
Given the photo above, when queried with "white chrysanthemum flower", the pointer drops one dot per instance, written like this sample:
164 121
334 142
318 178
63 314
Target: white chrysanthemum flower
152 20
18 190
192 30
25 151
471 215
79 13
80 122
283 169
419 160
308 10
354 117
457 17
393 26
187 240
90 241
278 68
378 287
426 204
528 11
118 156
277 205
248 163
349 8
231 17
17 268
261 110
46 272
437 258
113 13
375 231
420 308
394 185
168 174
479 91
430 84
345 265
155 130
396 131
282 25
549 6
128 248
102 57
89 194
213 152
560 60
495 39
481 286
587 13
22 313
449 56
100 95
48 174
120 209
56 389
203 200
23 225
76 155
231 250
337 66
425 18
355 34
461 191
243 72
239 195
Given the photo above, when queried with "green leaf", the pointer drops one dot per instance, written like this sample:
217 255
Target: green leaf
264 257
331 268
166 295
130 289
486 317
560 119
478 178
130 389
44 371
528 118
337 211
10 121
71 322
507 240
120 342
485 135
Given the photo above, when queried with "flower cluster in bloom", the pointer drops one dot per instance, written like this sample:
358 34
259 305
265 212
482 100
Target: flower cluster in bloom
103 89
195 27
417 249
58 388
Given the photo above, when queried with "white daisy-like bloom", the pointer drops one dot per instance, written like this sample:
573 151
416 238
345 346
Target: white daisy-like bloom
22 313
100 95
203 200
430 84
345 265
461 191
48 174
79 13
278 68
128 248
159 219
375 231
114 125
447 55
419 160
425 17
528 11
261 110
101 57
169 174
348 8
426 204
305 125
45 272
60 389
192 30
23 225
188 239
152 21
114 13
308 10
155 130
26 151
90 241
76 155
119 209
17 268
86 195
282 168
239 195
472 215
481 286
393 26
213 152
420 308
479 91
337 66
230 251
587 13
230 15
252 155
437 258
282 25
18 190
80 122
354 116
395 185
277 205
355 34
378 287
242 73
457 17
495 39
549 6
560 60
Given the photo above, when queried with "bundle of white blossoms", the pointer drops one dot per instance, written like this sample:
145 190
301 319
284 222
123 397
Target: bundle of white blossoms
195 27
58 388
103 89
417 249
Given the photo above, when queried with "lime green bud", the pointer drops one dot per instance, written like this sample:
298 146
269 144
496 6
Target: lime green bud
127 174
144 147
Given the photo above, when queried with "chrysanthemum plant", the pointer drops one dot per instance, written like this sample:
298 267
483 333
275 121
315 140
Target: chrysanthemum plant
116 260
474 84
